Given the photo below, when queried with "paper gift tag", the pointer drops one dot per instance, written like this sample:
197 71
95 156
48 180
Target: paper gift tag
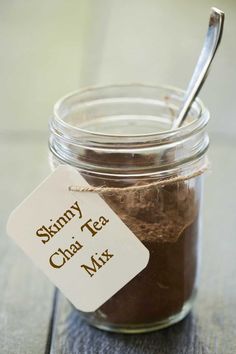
77 240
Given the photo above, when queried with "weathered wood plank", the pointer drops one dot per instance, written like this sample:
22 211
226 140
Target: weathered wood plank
73 335
25 294
211 328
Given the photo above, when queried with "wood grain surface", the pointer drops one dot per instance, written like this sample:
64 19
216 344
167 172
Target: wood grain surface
26 296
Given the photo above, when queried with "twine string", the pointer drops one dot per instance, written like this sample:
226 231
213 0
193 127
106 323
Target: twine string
161 183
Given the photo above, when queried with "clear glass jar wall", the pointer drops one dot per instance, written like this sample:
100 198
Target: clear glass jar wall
119 136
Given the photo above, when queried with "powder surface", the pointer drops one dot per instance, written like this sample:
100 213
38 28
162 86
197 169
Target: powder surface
155 214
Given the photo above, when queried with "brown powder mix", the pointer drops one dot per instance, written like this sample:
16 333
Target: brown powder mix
166 221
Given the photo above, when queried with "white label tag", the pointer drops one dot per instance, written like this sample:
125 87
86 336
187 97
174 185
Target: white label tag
77 240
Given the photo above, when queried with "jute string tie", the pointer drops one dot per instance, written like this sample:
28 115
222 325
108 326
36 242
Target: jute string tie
161 183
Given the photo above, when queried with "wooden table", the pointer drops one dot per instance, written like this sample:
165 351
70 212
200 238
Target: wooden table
35 318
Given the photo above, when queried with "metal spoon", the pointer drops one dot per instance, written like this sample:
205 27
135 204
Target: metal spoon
211 43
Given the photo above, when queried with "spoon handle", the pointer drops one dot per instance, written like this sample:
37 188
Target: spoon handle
211 43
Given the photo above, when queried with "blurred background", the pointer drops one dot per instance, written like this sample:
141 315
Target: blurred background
49 48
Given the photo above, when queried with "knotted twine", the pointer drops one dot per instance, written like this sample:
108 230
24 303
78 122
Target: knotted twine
163 182
144 213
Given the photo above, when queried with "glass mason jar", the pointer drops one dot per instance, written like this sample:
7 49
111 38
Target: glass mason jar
119 136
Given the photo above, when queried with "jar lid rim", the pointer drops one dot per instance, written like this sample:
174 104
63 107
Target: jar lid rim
173 135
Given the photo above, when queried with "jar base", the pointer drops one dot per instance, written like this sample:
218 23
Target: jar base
150 327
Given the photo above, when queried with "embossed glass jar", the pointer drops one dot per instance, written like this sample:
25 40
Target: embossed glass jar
119 136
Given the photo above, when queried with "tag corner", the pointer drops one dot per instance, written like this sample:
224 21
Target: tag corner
65 168
10 223
147 256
